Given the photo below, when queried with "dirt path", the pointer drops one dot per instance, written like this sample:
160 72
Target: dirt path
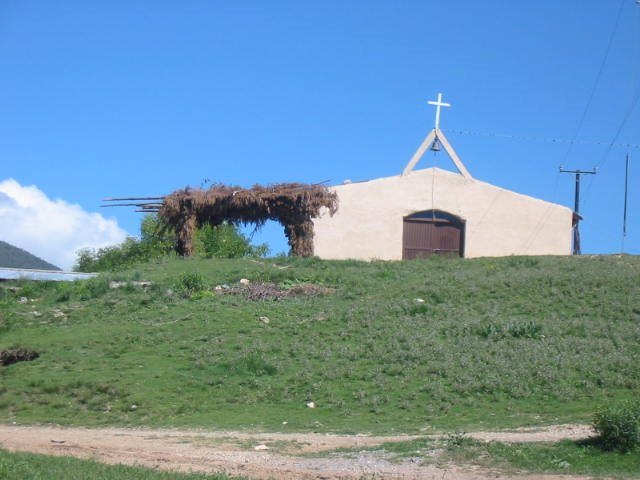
259 455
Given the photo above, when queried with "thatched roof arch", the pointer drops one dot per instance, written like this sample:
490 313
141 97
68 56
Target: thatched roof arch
293 205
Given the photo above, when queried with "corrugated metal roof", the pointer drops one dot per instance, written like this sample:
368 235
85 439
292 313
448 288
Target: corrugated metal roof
52 275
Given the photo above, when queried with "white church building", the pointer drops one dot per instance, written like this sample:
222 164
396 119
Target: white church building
434 211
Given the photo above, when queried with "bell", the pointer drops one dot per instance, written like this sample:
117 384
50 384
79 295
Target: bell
435 146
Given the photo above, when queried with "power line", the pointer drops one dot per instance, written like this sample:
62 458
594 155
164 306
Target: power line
532 138
632 106
597 81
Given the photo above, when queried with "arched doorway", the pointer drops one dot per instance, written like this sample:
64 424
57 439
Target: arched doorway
432 232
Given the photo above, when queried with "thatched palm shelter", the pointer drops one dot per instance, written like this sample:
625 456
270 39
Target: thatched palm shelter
291 204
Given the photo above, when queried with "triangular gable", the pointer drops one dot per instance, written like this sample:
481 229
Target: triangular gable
434 135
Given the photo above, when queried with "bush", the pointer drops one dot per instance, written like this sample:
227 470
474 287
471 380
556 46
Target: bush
190 283
93 287
225 241
618 426
515 329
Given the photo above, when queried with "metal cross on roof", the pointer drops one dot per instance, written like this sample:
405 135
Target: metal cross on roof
439 103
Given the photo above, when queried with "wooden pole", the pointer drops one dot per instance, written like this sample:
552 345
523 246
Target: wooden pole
132 198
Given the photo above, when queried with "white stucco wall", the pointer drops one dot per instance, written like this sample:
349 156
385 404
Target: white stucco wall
368 223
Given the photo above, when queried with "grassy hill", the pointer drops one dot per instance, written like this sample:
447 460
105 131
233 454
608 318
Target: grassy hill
14 257
380 347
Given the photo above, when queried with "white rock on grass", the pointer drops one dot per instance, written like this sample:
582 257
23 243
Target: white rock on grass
261 447
265 320
244 281
311 405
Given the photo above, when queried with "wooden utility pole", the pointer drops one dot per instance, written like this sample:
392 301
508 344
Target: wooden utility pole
576 208
626 191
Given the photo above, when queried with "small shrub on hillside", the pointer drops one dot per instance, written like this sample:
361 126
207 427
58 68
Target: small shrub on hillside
93 287
618 426
63 291
251 364
63 296
190 283
457 439
515 329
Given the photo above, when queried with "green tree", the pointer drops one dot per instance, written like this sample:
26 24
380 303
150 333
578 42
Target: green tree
157 236
157 240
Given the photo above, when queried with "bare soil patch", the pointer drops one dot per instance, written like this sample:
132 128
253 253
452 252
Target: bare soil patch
260 455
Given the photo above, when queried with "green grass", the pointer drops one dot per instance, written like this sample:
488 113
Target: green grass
495 343
580 458
566 457
21 466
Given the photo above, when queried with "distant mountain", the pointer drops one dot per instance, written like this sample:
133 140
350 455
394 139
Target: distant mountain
14 257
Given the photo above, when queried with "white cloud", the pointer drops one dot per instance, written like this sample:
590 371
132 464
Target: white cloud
53 230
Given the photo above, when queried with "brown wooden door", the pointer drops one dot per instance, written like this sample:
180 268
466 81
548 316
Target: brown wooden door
422 238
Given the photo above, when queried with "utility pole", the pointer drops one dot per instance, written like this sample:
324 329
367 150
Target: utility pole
576 208
626 191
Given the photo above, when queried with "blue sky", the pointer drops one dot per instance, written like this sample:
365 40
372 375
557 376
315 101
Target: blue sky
120 98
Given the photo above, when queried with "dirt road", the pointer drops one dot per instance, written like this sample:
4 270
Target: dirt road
260 455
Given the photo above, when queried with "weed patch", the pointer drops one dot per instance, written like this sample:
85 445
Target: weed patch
263 291
514 329
250 364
